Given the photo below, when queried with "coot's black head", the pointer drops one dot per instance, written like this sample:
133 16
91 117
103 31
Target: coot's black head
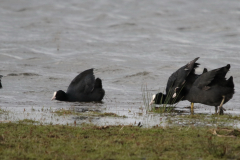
158 98
59 95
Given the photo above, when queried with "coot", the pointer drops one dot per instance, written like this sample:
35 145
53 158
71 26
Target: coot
83 88
176 79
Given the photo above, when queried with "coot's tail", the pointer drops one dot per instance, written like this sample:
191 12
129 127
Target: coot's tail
230 82
221 72
98 83
205 70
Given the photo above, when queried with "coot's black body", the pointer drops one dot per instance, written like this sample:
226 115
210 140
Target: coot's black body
211 87
184 76
83 88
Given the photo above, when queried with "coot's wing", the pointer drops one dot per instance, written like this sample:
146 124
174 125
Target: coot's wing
171 81
179 77
191 66
216 76
205 79
83 83
184 71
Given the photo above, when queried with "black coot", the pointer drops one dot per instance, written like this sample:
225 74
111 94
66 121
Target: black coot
212 88
0 81
175 80
83 88
184 76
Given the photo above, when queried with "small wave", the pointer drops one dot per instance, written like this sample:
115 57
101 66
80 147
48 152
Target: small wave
23 74
123 24
138 74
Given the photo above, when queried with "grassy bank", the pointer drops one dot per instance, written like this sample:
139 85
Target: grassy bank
28 141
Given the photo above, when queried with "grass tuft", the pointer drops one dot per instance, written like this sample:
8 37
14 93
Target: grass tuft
166 106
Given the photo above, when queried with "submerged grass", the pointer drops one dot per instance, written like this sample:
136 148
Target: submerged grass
206 120
2 111
62 112
22 141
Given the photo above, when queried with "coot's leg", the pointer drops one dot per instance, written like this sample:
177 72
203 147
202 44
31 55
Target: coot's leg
216 109
220 112
192 108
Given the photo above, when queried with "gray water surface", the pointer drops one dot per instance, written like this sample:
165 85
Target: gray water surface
45 44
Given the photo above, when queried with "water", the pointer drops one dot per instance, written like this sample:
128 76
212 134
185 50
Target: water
45 44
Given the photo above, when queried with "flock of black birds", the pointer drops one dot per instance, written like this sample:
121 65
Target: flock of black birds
209 88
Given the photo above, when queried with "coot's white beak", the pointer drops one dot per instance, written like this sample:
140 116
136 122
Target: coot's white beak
54 96
152 101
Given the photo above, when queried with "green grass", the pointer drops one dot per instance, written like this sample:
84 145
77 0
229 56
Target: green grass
205 120
236 117
28 121
28 141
